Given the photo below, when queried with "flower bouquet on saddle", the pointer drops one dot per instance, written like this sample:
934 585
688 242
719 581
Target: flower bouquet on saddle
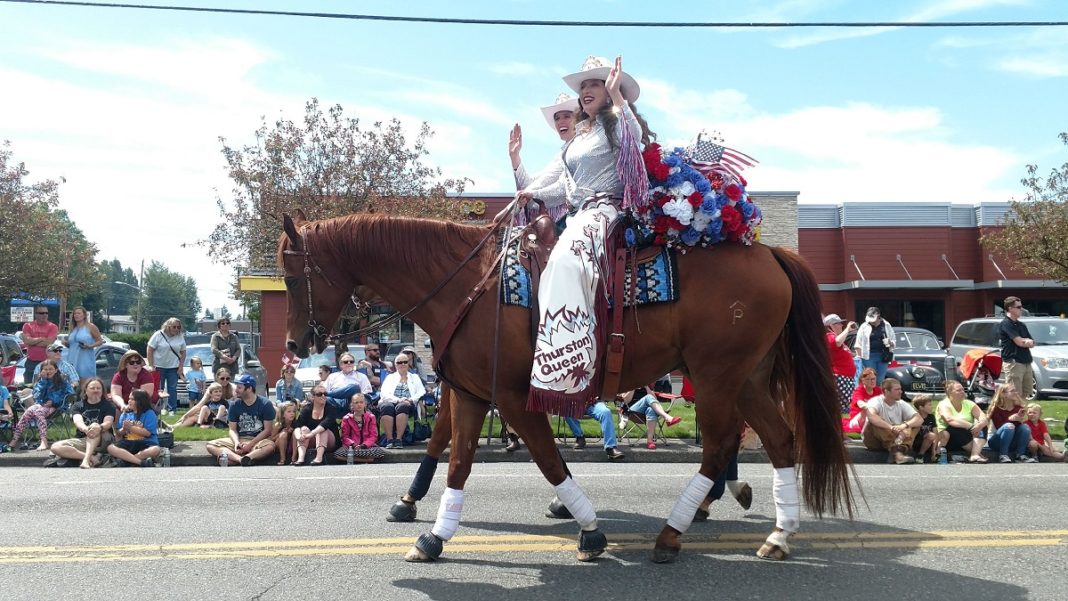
697 197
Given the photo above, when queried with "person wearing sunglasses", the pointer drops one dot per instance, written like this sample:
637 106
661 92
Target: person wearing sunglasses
341 385
251 422
399 392
37 335
131 376
1016 343
226 347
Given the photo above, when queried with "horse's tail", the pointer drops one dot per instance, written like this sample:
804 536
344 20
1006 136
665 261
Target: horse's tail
803 371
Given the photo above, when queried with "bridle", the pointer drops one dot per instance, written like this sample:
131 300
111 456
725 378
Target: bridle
318 329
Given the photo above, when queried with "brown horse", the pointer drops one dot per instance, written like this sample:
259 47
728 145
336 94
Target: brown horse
747 332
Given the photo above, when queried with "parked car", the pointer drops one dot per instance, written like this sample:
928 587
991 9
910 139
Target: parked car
920 362
1050 354
11 355
308 368
107 363
62 338
247 362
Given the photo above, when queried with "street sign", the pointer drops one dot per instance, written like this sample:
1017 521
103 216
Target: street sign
22 314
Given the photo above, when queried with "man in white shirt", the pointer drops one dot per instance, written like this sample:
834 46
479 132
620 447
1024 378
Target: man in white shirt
892 423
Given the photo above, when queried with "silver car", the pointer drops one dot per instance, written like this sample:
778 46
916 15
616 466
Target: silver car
1050 354
247 363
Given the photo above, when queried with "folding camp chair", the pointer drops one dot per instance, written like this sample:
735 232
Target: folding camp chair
633 425
60 419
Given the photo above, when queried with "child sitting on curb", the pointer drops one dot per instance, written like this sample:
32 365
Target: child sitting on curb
1040 445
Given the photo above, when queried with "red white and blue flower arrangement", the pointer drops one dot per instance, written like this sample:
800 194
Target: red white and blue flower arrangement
689 207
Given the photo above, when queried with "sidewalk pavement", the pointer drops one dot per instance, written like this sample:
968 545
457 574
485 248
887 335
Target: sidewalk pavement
676 451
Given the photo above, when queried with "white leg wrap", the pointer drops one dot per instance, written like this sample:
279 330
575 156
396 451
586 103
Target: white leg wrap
787 507
452 505
682 513
577 503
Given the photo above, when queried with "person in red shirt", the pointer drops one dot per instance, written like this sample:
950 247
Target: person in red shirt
842 365
37 335
1041 445
865 391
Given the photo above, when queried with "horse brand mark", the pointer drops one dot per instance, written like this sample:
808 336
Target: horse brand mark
737 311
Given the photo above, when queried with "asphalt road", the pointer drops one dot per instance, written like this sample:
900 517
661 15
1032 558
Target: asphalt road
928 532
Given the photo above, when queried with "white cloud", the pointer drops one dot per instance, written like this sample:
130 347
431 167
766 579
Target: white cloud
1048 66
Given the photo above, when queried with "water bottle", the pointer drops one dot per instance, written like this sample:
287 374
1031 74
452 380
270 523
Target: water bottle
943 457
166 457
350 454
224 459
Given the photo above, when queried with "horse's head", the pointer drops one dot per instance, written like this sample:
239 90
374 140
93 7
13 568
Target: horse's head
316 291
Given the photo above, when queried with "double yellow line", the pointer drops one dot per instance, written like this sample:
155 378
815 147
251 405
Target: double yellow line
525 543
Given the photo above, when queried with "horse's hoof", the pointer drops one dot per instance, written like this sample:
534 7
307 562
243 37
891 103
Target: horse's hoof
591 544
745 496
557 510
665 554
772 552
701 515
427 548
401 512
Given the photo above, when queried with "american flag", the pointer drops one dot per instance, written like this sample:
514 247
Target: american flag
290 359
706 154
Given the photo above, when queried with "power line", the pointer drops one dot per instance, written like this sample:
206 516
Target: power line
540 23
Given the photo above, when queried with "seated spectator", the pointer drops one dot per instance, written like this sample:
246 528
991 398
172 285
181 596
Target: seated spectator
1010 433
960 423
195 380
399 393
603 415
317 424
284 425
1041 445
926 441
208 410
644 401
7 414
55 353
49 396
251 421
94 417
288 388
864 392
137 443
131 375
359 433
341 385
892 423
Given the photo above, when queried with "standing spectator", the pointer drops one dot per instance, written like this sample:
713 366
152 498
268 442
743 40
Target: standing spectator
1016 345
875 343
49 395
285 424
341 385
867 390
288 388
226 347
960 423
1041 445
83 338
251 421
131 375
892 423
926 441
195 380
166 352
400 391
373 367
55 353
37 335
603 415
1010 434
317 424
359 432
93 417
137 443
842 365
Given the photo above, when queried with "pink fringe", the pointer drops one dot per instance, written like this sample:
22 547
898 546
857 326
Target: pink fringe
631 169
560 403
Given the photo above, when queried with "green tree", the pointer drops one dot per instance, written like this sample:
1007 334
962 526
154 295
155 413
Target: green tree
329 165
1036 227
208 314
166 294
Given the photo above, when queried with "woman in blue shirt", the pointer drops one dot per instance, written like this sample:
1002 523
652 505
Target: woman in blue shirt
288 388
50 395
136 430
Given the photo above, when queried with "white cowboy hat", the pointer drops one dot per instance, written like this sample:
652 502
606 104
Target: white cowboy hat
564 102
597 67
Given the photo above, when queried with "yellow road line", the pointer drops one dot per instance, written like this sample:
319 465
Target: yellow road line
524 543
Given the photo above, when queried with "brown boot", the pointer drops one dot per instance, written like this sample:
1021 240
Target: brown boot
580 443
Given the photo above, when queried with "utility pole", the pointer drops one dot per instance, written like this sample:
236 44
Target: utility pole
140 294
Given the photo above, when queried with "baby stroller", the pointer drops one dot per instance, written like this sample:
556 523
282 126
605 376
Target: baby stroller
981 369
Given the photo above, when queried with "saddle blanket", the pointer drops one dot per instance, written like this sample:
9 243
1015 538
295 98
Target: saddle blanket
658 280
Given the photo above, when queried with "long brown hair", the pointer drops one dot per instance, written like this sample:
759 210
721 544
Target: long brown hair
609 117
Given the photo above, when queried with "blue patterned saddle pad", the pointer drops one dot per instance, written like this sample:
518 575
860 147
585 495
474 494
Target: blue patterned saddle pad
657 278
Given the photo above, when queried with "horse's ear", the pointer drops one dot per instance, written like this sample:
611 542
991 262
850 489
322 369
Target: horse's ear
301 217
291 230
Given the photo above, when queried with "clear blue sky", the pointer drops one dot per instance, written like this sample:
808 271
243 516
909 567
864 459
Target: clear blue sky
128 105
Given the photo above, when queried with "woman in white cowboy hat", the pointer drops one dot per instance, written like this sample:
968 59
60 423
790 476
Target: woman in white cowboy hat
565 358
561 117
